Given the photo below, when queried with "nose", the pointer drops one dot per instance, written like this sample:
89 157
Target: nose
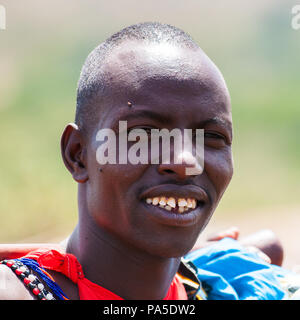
185 166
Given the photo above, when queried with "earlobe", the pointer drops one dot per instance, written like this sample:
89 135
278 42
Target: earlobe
73 153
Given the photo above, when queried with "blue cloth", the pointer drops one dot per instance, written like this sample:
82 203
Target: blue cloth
229 271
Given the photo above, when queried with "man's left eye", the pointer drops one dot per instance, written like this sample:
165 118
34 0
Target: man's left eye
214 140
213 135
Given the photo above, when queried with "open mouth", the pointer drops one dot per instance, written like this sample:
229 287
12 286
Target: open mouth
176 205
173 204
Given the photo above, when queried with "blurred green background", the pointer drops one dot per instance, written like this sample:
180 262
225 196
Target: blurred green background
41 54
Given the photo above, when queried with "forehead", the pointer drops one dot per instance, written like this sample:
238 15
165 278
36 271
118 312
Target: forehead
164 77
137 65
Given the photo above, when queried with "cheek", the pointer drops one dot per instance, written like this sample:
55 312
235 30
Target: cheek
219 169
111 192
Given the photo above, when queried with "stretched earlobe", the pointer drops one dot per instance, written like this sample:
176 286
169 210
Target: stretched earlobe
73 153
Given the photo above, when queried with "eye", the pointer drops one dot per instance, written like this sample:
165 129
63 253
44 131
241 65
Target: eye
213 135
214 139
146 129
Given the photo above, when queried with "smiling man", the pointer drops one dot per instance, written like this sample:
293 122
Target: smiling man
170 83
137 221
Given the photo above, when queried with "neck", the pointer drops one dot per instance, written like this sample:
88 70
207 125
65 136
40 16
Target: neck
113 264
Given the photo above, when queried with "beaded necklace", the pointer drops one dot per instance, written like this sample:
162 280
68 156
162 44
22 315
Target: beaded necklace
22 268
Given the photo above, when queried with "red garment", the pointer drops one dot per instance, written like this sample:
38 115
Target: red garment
68 265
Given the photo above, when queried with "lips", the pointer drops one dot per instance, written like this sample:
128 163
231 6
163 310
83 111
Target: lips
175 205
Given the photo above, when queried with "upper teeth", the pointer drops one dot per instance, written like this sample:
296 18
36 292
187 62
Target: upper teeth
181 204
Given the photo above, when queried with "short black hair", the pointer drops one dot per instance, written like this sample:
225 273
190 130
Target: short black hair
91 83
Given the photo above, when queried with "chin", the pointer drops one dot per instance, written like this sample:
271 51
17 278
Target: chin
175 249
169 242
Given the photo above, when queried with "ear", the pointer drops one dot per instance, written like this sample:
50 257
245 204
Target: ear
73 153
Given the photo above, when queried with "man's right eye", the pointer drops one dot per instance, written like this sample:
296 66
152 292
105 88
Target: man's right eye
146 129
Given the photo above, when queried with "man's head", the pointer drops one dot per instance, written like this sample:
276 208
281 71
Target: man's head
95 79
170 83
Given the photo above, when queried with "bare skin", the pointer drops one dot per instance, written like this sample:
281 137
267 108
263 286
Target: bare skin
185 90
265 242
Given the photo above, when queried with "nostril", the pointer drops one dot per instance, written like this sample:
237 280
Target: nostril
177 170
168 171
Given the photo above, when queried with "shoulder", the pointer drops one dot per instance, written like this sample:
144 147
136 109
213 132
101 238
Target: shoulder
11 288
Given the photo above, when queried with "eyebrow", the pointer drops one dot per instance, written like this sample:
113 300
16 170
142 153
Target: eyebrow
140 114
218 121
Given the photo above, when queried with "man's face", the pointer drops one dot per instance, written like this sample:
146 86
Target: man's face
169 87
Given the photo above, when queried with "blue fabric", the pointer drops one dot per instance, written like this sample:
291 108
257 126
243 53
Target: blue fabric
228 271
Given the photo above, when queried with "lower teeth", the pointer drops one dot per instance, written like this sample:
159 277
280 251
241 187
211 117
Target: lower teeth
176 210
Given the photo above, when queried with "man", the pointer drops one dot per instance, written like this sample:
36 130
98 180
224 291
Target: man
128 243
